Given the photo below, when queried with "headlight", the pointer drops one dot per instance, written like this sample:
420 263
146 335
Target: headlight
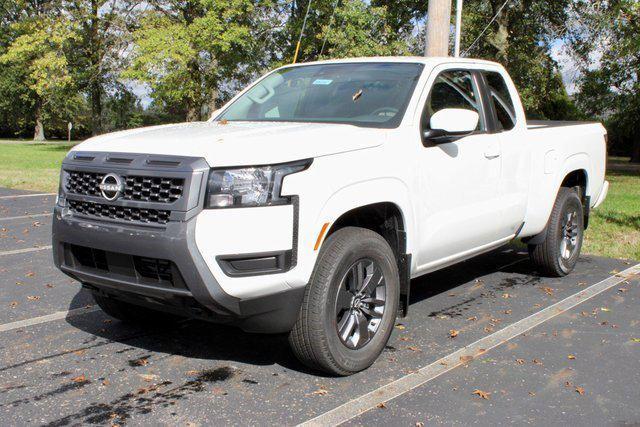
250 186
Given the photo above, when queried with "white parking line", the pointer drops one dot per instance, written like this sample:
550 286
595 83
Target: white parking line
25 250
48 318
368 401
9 218
16 196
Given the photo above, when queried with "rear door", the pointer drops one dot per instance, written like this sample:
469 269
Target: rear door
509 127
459 181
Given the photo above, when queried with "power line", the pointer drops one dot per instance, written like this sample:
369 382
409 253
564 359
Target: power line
304 24
485 28
335 6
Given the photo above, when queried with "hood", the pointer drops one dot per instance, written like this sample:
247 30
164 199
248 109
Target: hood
239 143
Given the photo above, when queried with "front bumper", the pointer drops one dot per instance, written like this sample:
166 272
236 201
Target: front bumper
201 296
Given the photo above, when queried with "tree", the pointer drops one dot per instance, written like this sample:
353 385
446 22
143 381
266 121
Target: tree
99 52
605 36
187 50
360 29
37 59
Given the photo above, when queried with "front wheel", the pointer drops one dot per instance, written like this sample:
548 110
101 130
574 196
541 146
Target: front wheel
350 305
558 254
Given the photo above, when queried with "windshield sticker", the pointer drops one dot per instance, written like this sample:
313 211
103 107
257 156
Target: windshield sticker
322 82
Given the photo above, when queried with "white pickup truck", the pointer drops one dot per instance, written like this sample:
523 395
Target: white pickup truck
308 202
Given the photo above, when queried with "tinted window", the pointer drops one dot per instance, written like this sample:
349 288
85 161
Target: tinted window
363 94
501 100
452 89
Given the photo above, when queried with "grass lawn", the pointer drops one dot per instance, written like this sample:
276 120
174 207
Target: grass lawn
31 166
614 228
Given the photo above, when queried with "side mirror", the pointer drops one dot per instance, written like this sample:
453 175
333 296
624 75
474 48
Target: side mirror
451 123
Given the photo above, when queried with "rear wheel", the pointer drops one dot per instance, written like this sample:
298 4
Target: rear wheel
350 305
558 254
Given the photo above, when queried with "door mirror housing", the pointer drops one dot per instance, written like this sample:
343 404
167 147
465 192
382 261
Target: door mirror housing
451 123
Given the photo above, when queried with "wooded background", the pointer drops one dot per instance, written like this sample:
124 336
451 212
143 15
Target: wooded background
116 64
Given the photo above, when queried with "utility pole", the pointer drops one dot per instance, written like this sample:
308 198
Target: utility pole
456 48
438 23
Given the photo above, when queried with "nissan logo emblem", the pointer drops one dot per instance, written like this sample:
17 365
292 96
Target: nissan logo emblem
111 186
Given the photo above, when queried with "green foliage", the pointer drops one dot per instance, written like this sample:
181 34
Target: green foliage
36 60
361 30
606 42
186 54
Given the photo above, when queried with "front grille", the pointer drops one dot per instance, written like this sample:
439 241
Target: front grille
137 188
140 269
119 212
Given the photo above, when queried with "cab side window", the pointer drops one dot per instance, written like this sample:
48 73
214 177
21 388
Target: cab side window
501 100
452 89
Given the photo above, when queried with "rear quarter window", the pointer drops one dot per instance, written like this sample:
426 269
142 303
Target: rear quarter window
501 100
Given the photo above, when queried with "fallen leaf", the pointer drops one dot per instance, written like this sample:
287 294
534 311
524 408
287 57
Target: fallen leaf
537 362
571 357
105 382
506 295
381 405
507 312
580 391
623 290
582 283
80 379
13 304
30 274
400 326
148 377
49 285
604 309
33 297
319 392
419 424
482 394
488 330
413 348
635 340
453 333
79 352
466 359
405 339
531 393
218 391
520 361
472 318
547 290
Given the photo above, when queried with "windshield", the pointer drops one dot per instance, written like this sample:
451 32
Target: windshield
362 94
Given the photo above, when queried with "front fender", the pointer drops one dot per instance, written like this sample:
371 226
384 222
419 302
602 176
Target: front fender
352 196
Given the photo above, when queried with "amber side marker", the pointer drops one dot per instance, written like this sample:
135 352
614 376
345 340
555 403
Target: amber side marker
320 235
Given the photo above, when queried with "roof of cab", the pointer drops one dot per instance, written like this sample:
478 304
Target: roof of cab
429 60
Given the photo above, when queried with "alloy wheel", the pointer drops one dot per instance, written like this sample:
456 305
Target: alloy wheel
360 303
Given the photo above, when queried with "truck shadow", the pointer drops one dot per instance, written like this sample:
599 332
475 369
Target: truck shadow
196 339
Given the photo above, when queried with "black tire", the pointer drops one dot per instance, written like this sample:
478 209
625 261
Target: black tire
315 339
131 313
550 256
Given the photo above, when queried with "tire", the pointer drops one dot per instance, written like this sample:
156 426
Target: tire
332 302
558 254
131 313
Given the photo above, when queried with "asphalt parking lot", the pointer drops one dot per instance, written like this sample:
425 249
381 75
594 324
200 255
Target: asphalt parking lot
486 342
